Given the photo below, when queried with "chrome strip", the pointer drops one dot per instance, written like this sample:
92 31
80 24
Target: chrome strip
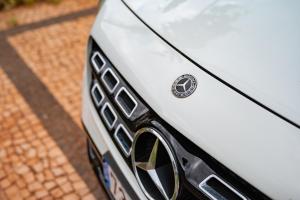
214 195
105 119
121 126
104 82
95 66
128 115
96 86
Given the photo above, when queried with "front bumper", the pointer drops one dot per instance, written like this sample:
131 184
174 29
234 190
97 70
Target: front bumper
96 160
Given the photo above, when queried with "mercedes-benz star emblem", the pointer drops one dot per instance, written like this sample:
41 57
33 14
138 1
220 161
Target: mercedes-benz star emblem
184 86
154 165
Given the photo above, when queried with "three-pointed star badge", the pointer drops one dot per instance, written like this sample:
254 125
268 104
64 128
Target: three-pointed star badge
150 168
184 86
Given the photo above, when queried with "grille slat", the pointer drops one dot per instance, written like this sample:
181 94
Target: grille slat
97 94
109 115
216 188
110 80
98 62
126 102
124 139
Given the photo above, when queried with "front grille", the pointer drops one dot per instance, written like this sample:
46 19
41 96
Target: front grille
124 112
120 109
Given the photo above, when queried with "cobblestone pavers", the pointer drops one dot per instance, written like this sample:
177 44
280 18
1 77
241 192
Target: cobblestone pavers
58 61
36 161
32 165
41 11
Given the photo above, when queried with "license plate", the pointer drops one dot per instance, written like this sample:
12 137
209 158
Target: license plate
113 184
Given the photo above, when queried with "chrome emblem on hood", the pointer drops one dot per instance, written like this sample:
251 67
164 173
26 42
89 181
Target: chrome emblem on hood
184 86
154 165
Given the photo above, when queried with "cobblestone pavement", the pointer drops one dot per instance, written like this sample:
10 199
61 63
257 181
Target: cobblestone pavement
42 144
25 15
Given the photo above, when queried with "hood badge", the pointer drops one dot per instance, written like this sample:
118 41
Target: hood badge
184 86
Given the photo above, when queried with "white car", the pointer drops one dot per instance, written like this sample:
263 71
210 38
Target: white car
195 99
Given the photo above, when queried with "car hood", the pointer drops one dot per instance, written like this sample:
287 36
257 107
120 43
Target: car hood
252 45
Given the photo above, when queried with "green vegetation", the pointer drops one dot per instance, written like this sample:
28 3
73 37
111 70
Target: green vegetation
7 4
13 21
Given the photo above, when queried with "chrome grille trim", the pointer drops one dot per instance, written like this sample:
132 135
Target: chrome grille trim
94 63
128 115
108 70
107 105
121 126
95 87
214 195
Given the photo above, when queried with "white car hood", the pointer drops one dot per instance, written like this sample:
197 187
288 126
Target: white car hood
254 143
252 45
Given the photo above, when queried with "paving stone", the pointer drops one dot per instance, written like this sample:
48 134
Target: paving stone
22 169
38 167
5 183
54 152
31 153
67 188
34 186
79 185
21 183
61 180
61 160
48 198
74 177
19 150
29 177
12 177
40 177
68 169
2 153
57 193
24 193
2 174
50 185
71 197
89 197
30 198
41 193
83 191
57 171
12 190
48 175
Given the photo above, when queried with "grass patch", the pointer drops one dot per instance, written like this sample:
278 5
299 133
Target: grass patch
8 4
12 22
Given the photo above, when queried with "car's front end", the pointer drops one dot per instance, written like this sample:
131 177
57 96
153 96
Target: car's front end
150 137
